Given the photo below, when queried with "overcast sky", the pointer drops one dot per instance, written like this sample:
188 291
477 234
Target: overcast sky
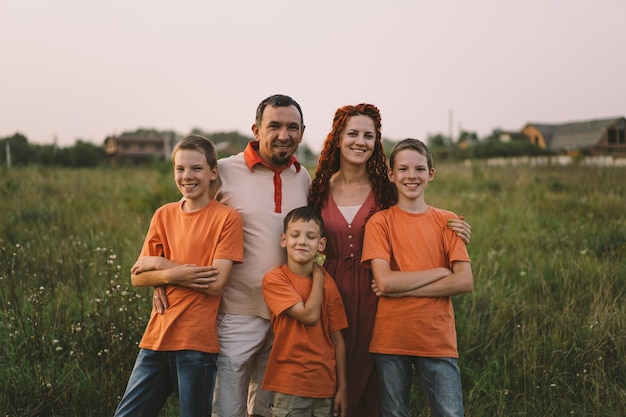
77 69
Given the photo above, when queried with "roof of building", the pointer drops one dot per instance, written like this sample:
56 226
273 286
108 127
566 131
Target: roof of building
572 135
137 139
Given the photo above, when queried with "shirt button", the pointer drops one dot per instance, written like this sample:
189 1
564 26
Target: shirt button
349 236
349 226
352 255
351 245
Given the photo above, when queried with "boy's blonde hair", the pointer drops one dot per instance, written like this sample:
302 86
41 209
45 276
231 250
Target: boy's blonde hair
197 143
414 145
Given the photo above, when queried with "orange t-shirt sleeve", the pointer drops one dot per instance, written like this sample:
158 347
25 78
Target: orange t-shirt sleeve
153 244
230 243
376 240
278 292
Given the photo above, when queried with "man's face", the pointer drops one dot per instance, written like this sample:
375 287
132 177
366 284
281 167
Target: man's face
279 135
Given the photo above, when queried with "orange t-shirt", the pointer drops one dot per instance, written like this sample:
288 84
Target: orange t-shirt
302 361
214 232
416 326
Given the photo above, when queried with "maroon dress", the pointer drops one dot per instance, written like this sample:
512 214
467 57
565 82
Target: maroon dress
343 262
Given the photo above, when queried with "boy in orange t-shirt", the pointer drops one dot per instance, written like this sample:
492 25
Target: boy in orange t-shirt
306 367
197 235
418 264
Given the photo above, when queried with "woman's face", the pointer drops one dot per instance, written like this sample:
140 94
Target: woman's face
358 140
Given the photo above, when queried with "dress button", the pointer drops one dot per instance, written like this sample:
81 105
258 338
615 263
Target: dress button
352 255
351 245
349 226
349 236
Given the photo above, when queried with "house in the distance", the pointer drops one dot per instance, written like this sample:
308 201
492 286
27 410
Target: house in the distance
510 136
591 137
138 147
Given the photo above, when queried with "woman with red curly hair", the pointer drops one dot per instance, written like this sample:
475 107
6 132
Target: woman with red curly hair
350 185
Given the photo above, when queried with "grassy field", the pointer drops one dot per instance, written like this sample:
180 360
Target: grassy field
543 333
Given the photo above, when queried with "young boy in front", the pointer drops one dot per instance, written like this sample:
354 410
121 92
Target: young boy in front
197 234
306 367
417 263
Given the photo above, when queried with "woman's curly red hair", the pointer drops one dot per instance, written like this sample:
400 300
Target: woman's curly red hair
330 159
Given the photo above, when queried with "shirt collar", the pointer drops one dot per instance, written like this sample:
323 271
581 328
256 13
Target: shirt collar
252 158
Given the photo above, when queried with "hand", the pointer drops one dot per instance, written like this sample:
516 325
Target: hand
159 300
379 293
462 229
341 403
146 263
318 274
192 276
375 289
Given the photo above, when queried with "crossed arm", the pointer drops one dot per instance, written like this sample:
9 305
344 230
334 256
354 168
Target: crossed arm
156 271
437 282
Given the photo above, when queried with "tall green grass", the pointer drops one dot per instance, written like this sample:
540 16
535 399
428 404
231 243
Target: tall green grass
542 334
70 319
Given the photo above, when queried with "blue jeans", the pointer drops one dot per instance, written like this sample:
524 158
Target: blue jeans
189 373
440 378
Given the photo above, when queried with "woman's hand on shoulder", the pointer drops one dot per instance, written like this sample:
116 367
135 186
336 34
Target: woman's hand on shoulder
461 228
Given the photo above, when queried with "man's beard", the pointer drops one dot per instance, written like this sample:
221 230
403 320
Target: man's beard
281 159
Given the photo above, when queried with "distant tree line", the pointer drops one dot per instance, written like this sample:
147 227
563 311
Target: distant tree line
469 146
86 154
17 151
